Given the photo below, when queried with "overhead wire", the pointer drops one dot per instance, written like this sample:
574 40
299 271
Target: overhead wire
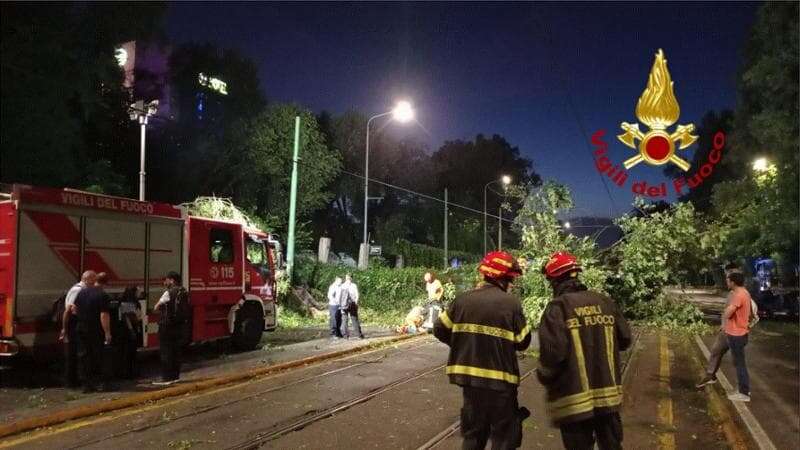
441 200
565 86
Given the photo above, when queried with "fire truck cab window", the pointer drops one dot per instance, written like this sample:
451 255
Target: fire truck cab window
255 253
221 246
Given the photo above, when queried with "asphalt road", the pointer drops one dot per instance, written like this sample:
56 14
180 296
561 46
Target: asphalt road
28 389
399 397
396 397
772 362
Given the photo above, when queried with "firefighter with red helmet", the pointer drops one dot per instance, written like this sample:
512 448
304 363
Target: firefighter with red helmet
485 328
580 337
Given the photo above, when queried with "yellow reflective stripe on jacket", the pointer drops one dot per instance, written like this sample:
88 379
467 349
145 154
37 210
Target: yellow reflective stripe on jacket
585 402
576 342
445 319
586 395
587 406
609 330
522 334
491 331
482 373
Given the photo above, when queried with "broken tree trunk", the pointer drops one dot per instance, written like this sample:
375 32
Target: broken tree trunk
303 302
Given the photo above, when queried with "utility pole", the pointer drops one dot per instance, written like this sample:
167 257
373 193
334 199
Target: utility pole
293 200
445 228
500 227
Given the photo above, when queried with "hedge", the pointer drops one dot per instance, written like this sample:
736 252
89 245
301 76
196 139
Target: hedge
420 255
382 289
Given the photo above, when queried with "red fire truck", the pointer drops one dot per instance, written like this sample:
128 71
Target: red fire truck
48 237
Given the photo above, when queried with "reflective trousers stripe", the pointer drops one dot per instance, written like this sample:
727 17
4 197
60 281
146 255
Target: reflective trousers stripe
482 373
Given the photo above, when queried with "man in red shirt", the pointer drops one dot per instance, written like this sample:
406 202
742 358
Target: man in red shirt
735 320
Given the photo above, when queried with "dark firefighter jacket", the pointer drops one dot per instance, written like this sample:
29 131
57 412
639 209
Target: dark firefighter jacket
484 328
580 337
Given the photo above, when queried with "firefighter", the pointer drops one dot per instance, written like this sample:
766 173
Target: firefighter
580 337
485 328
171 328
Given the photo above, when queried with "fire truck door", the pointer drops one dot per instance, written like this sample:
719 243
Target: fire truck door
216 274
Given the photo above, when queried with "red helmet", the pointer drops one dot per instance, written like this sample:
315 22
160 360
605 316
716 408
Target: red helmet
559 264
499 265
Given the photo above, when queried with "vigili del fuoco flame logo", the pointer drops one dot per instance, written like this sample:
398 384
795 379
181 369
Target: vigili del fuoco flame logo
658 109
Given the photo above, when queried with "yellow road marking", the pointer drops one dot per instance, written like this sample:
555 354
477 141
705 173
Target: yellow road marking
719 413
666 438
102 417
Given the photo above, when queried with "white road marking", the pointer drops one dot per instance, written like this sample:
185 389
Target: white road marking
756 432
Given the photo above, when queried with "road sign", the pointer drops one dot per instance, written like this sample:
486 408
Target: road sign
375 250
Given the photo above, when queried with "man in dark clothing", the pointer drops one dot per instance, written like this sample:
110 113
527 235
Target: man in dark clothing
485 328
94 333
580 337
171 329
69 334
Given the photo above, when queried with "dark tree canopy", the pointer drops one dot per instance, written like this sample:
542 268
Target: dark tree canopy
62 94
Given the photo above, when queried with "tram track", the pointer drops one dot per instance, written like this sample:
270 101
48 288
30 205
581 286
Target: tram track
200 411
278 431
387 353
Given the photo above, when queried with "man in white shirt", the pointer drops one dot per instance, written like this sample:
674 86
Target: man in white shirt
348 304
170 330
334 292
68 333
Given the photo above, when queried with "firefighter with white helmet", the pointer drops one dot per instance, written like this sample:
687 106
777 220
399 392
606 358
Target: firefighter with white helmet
484 328
580 337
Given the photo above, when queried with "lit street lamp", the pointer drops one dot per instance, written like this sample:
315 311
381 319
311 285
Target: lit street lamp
567 225
402 112
761 165
506 180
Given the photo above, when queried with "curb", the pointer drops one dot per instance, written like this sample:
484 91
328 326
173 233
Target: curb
32 423
757 433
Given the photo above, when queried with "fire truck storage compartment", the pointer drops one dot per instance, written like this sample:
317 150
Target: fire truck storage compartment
57 244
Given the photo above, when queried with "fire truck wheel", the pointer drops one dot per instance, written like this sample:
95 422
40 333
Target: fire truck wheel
248 327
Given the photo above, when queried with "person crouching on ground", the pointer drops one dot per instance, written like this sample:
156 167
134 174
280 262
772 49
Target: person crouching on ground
580 337
484 328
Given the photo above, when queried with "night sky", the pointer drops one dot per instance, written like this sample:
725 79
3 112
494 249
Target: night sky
502 68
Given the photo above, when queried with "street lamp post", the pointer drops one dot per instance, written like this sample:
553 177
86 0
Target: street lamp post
402 113
506 180
141 112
